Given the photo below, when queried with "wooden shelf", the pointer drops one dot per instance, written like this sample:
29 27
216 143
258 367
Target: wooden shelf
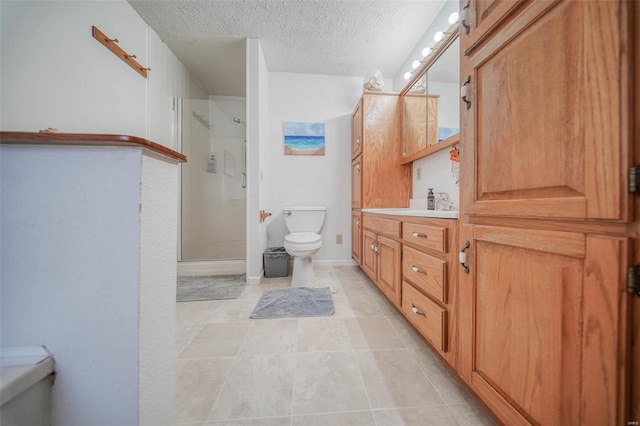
88 139
112 45
449 142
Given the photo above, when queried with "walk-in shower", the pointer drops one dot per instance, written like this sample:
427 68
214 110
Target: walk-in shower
212 234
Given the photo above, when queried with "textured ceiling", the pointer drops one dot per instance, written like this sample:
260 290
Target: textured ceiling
337 37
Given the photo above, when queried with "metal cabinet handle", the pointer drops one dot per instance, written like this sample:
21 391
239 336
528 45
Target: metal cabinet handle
416 311
358 223
463 92
358 141
462 257
418 235
375 248
358 167
418 270
463 17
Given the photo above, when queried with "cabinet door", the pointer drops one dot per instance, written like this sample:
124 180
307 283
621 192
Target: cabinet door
356 183
356 236
389 269
545 130
368 255
542 320
479 17
356 132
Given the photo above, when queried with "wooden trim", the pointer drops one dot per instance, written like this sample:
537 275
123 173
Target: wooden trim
83 139
450 141
117 50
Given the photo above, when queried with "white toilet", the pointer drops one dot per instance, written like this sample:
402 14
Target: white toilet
304 224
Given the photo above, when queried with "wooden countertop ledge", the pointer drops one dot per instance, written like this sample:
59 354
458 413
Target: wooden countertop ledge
88 139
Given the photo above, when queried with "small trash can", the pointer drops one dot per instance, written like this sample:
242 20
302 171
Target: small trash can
276 262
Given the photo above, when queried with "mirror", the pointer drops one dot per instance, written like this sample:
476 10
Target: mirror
431 104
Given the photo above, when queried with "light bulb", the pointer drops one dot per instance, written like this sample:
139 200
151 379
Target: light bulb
453 18
415 64
438 36
426 51
407 75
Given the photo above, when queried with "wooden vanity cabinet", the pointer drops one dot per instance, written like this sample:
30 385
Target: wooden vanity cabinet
356 235
545 142
377 177
381 254
429 286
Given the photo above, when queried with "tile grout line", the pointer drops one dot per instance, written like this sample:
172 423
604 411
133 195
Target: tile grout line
224 384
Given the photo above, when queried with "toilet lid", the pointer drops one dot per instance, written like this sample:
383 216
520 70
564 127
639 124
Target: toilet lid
302 238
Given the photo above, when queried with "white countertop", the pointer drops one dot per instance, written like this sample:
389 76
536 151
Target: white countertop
21 368
441 214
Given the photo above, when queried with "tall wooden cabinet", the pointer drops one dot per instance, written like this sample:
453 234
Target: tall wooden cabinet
377 177
546 147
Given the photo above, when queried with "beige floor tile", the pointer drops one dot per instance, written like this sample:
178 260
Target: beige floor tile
270 336
449 388
271 421
322 334
327 382
472 414
351 418
393 379
190 313
216 340
372 333
358 289
356 307
258 386
438 415
184 336
198 383
406 332
231 310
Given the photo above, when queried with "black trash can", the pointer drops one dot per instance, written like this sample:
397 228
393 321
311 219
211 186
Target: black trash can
276 262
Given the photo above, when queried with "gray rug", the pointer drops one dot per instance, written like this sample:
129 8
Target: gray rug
210 287
295 302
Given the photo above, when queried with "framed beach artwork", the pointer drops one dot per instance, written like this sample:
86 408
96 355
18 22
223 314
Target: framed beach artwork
303 138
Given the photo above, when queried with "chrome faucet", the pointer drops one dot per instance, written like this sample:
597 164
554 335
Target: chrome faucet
443 202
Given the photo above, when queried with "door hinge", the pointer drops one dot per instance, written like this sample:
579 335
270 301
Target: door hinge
633 179
633 280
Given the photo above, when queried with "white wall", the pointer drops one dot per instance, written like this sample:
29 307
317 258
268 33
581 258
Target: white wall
258 91
70 272
313 180
53 73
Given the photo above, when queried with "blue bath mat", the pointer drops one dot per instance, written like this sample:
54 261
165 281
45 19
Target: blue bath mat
295 302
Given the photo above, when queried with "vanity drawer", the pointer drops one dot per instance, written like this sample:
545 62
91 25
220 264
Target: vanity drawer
429 318
426 272
388 227
431 237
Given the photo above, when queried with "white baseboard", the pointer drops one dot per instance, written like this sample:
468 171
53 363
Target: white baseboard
335 262
211 267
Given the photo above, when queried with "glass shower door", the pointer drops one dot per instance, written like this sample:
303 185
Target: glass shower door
213 194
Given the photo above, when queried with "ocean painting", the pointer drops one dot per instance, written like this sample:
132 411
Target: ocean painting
303 138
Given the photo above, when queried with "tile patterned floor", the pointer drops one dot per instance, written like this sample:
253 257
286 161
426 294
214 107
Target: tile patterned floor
362 366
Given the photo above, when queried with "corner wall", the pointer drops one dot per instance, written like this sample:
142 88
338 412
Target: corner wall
313 180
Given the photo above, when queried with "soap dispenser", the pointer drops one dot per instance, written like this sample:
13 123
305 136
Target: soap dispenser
431 200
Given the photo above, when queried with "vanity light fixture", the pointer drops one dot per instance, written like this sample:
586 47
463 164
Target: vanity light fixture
407 75
439 36
426 51
453 18
415 64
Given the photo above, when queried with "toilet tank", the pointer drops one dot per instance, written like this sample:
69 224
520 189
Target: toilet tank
304 218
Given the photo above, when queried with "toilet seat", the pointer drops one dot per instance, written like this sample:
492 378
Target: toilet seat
302 239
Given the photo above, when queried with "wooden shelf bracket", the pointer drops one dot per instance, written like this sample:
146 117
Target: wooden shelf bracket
112 45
